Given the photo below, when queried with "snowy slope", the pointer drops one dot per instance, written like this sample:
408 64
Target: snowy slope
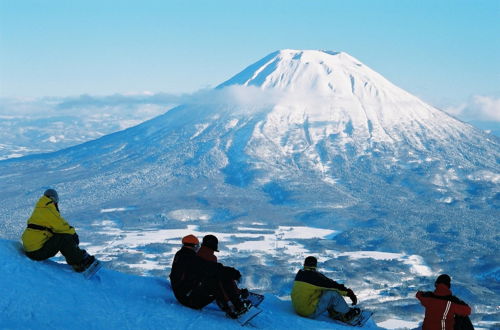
49 295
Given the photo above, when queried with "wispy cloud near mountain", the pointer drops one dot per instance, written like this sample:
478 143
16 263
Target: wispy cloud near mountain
479 107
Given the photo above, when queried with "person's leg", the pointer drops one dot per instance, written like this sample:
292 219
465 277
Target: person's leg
231 292
63 243
203 294
331 300
48 250
70 250
198 299
230 299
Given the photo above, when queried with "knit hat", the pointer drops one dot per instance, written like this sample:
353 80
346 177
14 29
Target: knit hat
311 262
52 194
211 241
444 279
190 240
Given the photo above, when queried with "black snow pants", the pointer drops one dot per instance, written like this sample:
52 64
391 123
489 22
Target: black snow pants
64 243
210 289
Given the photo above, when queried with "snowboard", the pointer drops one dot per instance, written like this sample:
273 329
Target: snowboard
358 321
92 269
255 298
252 312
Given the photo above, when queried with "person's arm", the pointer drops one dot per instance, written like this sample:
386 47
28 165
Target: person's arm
422 297
231 273
207 268
326 282
340 288
462 310
59 225
62 227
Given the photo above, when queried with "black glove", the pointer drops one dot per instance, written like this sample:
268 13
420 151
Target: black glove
244 293
352 296
232 273
76 239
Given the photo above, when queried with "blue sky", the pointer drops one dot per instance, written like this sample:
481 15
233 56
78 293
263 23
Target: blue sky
446 52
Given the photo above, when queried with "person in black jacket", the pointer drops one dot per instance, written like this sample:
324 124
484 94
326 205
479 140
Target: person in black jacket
313 294
197 282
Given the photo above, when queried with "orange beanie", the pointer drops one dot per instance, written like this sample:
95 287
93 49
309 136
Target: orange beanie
190 239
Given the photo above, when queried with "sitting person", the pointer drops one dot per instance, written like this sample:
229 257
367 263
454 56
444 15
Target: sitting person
313 294
197 282
233 297
442 308
48 233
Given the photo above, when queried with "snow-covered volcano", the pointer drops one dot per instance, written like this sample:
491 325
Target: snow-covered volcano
299 138
331 105
333 96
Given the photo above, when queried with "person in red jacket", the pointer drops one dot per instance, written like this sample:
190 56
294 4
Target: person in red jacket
233 298
441 306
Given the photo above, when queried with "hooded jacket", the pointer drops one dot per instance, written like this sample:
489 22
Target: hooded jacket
307 288
441 308
207 253
47 215
226 272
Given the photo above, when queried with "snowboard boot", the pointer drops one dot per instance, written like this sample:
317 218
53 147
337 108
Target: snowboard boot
244 297
86 262
333 314
351 315
234 311
244 294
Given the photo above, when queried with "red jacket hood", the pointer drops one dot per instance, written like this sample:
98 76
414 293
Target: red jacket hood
442 290
207 253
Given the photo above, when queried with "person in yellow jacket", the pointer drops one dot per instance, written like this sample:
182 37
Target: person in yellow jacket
48 233
314 294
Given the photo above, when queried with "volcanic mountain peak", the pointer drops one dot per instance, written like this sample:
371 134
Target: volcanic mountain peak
334 94
314 71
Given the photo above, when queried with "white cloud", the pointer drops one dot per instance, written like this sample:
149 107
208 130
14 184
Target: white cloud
238 98
478 108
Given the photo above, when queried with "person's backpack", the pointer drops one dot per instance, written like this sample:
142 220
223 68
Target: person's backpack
462 323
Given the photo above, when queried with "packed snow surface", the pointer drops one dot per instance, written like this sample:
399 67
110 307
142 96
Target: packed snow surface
50 295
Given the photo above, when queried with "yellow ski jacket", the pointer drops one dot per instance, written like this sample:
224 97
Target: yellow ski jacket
45 214
308 287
